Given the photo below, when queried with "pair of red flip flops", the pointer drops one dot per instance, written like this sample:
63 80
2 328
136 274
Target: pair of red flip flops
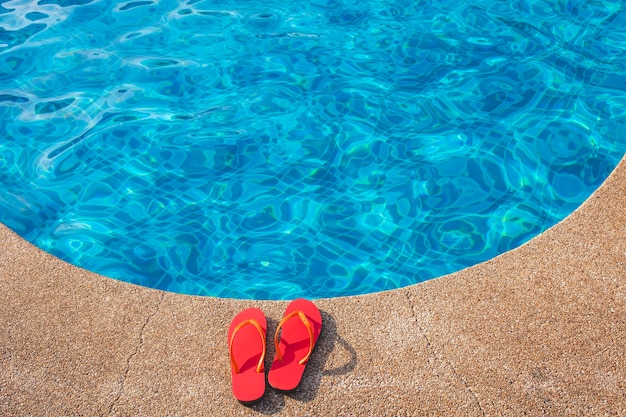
301 326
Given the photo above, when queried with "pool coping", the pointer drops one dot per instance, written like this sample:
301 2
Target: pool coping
537 330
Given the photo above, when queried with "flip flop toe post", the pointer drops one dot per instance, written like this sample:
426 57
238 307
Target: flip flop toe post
246 348
294 341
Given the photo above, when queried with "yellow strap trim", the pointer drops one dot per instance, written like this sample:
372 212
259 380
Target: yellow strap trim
308 326
256 324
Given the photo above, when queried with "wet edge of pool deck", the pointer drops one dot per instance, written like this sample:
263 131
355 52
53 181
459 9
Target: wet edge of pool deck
539 330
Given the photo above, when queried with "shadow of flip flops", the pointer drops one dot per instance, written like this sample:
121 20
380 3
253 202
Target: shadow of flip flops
316 369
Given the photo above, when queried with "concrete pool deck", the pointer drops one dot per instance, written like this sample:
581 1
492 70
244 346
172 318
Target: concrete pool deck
539 330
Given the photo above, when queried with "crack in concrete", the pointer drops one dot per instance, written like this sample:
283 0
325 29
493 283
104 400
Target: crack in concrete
134 353
431 347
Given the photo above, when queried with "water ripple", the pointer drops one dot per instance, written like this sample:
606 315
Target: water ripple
317 149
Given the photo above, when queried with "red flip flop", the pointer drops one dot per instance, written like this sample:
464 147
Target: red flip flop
246 348
301 326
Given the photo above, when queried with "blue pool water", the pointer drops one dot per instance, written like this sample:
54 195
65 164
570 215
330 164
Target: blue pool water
277 149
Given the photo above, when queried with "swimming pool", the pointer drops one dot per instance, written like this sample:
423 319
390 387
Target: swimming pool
273 150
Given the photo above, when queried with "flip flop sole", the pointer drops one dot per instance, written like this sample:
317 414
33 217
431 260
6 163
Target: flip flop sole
295 344
247 354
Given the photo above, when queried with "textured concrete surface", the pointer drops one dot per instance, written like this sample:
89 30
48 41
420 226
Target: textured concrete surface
537 331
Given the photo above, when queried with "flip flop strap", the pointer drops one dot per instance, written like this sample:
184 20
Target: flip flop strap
308 326
232 338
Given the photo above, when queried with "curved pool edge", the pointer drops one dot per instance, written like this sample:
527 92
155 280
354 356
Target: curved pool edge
536 330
